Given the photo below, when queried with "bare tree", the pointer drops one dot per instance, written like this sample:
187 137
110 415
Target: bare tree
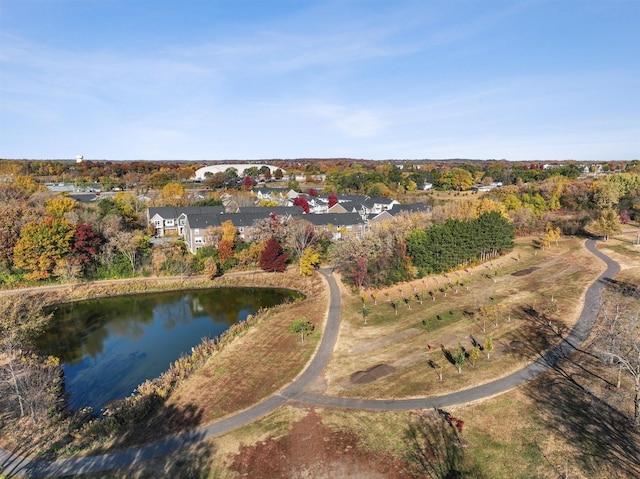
300 236
618 342
28 379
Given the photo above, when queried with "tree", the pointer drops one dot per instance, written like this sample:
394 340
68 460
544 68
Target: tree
172 195
360 271
309 261
248 183
303 203
474 355
227 242
608 223
459 178
459 357
210 268
606 194
21 320
59 205
273 258
488 346
300 237
618 342
129 244
86 243
10 223
333 199
41 244
302 326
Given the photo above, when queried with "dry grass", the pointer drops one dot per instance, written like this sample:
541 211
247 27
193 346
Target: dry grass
403 340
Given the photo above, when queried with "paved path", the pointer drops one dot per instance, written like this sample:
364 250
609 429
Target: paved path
14 465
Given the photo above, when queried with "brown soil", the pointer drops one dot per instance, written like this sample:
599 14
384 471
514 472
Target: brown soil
375 372
311 450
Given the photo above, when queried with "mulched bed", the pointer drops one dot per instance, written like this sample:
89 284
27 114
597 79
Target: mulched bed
373 373
524 272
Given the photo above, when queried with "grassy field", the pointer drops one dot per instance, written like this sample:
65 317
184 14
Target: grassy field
533 298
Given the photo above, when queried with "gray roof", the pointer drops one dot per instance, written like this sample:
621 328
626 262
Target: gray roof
175 211
336 219
199 220
276 210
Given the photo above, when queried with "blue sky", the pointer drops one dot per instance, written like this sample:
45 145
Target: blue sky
373 79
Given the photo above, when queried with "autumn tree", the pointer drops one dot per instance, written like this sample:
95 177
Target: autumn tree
606 194
459 178
11 218
59 205
41 244
210 268
303 203
474 355
309 261
248 183
273 258
300 237
227 242
333 199
488 346
86 244
607 223
172 194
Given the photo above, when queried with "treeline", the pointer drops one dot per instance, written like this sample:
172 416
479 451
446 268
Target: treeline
441 248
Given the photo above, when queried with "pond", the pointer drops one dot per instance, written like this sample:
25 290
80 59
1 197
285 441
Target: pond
108 347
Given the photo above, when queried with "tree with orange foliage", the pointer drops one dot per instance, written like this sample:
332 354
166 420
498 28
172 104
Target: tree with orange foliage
227 242
41 244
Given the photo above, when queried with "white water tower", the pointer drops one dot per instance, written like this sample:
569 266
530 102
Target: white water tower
79 158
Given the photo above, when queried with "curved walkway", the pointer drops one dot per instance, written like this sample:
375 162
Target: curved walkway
12 464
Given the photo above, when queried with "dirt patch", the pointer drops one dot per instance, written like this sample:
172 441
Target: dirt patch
311 450
524 272
373 373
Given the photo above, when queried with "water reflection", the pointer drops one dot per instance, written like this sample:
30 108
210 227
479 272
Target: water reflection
109 346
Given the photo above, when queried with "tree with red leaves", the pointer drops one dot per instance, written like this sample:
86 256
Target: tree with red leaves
313 192
248 183
302 201
360 271
333 199
86 243
273 258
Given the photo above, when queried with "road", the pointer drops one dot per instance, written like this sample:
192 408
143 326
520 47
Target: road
12 464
